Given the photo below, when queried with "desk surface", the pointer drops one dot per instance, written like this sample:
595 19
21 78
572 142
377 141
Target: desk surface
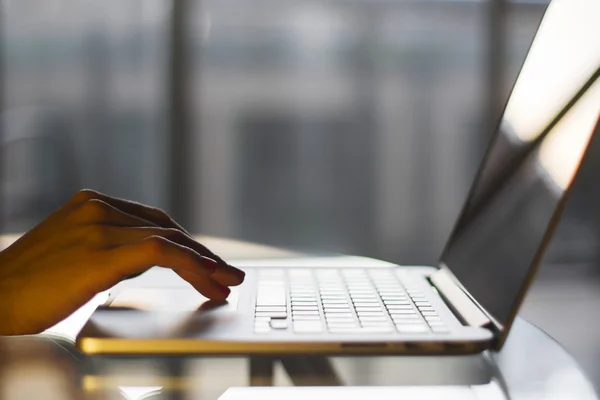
531 365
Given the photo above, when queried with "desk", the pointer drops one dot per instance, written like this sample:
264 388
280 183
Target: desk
531 365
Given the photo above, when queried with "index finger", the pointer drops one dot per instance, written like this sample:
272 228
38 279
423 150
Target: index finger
137 257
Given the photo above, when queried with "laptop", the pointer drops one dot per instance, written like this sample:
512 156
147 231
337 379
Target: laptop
465 304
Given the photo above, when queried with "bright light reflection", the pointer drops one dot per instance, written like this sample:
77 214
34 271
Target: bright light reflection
565 54
489 391
562 151
69 327
138 392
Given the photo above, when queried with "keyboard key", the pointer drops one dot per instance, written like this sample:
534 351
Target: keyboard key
304 303
338 315
343 310
406 300
405 317
303 312
402 312
303 297
362 302
333 297
363 296
307 326
334 307
429 318
362 310
342 321
373 305
270 309
430 313
362 293
305 308
370 313
298 300
387 292
396 302
390 289
340 301
306 318
373 319
392 292
399 307
367 324
274 315
333 325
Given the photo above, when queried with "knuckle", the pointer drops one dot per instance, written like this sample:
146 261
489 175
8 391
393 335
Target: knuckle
173 233
94 208
98 234
84 195
160 214
155 245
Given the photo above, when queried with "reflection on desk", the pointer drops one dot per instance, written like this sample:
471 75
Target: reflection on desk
490 392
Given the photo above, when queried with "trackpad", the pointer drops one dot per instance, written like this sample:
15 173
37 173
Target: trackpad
180 299
170 312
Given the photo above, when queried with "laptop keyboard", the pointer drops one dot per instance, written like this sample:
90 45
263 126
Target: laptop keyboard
341 301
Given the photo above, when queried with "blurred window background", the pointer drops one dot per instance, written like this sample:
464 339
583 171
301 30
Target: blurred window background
350 126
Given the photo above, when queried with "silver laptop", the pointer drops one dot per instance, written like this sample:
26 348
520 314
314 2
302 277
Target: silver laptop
465 304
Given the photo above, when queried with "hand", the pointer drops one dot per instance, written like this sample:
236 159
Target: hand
89 245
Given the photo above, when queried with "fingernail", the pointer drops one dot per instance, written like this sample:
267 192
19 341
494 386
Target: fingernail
225 290
239 273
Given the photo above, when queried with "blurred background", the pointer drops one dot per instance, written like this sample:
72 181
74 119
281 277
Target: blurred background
325 125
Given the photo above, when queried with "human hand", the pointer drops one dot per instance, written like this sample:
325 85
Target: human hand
89 245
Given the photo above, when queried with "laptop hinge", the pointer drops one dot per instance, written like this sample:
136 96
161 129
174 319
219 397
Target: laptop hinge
457 299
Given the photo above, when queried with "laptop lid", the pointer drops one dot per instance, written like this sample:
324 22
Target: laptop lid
530 164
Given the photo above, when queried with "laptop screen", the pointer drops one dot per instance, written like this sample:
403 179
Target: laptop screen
531 161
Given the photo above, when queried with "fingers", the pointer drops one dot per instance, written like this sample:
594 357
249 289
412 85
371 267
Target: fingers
112 236
150 215
153 215
99 212
137 257
206 286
